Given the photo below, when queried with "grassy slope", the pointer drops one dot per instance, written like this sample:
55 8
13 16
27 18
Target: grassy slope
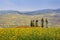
13 20
30 34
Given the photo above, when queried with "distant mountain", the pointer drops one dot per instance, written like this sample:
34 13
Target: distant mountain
45 11
37 12
9 12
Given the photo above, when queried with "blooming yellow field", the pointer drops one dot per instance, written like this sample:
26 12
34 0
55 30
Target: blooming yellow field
30 33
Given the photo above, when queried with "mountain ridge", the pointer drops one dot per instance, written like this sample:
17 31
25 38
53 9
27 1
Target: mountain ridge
14 18
37 12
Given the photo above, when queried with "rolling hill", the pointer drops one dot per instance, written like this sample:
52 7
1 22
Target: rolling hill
45 11
10 18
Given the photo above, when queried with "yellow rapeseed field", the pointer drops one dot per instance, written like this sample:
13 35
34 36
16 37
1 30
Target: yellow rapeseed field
35 33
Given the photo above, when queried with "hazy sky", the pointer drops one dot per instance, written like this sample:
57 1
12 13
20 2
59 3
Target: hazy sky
29 5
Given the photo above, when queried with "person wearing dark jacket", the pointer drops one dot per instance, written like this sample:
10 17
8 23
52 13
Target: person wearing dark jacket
42 22
46 23
36 23
32 23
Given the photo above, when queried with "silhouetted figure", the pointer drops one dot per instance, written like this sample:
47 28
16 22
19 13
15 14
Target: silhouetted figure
42 22
36 23
32 23
46 23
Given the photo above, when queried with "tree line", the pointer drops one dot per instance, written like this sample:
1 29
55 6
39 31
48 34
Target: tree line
35 23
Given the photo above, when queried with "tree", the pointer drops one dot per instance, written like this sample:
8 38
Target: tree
46 23
42 22
36 23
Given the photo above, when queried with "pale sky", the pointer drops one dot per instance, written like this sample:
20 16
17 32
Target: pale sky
29 5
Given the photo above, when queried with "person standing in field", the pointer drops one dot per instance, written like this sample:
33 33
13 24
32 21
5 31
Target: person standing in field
36 23
42 22
46 23
32 23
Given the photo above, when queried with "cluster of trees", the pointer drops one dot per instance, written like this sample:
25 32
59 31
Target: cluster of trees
35 23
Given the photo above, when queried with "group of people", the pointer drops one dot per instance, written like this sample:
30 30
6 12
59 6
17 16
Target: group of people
35 23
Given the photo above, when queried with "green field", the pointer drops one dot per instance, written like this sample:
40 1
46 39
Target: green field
30 33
